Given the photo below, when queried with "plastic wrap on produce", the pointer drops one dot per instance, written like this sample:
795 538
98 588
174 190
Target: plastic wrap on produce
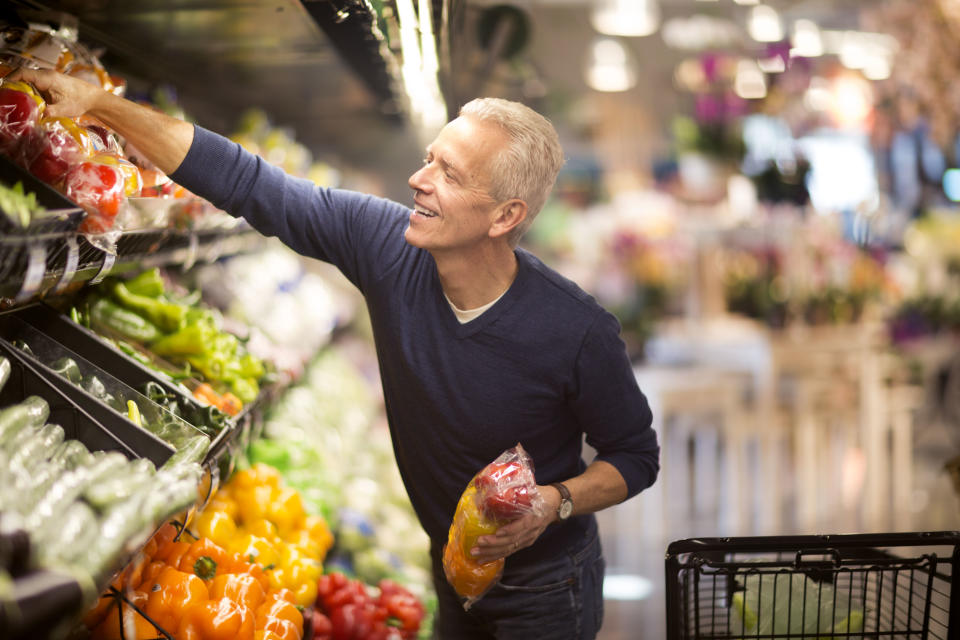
58 145
502 492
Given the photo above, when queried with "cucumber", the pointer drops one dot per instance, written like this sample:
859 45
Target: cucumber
67 536
174 490
106 465
118 527
4 371
111 490
62 492
17 439
71 454
39 447
193 450
33 411
143 465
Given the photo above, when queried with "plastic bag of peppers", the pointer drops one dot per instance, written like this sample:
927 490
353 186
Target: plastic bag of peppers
349 610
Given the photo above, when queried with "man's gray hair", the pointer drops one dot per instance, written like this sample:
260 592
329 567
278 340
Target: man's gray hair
529 167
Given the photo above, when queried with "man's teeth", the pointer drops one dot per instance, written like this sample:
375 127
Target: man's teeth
424 212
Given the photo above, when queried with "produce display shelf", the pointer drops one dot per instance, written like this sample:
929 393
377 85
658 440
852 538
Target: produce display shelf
37 597
44 352
39 265
89 345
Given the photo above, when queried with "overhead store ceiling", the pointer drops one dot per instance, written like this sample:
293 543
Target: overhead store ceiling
316 67
549 69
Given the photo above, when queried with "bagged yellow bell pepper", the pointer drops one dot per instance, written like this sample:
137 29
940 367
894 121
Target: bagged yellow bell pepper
501 492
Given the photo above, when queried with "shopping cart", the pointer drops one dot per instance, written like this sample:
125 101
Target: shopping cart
893 585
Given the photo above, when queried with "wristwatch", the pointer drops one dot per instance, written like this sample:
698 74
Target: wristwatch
565 509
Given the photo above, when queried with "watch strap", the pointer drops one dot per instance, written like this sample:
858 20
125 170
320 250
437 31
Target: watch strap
564 492
565 508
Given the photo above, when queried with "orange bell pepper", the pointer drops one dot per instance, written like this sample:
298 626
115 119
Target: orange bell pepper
279 610
282 629
135 626
242 588
204 558
174 593
171 552
149 575
277 595
221 619
103 607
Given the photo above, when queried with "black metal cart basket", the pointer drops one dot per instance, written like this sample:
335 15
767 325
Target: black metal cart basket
816 587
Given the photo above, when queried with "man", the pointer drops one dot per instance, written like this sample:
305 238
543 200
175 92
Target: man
480 345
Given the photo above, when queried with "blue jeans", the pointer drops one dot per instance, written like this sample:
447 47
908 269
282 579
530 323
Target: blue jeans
557 599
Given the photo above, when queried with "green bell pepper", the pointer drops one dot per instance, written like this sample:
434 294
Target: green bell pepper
128 324
168 316
149 283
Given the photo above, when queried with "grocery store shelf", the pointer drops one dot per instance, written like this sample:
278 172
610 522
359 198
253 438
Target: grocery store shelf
295 59
33 266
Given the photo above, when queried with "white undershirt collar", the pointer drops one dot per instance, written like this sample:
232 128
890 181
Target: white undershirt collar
465 316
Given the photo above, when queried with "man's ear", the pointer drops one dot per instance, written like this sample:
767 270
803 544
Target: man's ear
508 216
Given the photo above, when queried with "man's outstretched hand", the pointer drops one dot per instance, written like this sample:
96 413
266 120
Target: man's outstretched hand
65 95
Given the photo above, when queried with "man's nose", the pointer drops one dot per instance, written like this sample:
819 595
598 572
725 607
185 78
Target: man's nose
418 181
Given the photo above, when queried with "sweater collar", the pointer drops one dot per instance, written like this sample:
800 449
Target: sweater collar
489 316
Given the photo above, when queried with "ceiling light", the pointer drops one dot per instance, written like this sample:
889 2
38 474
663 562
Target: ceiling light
877 68
806 40
699 32
763 24
419 69
853 52
747 1
750 82
774 64
610 68
632 18
852 100
817 96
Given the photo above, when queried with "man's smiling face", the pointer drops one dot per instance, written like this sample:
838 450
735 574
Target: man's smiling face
452 205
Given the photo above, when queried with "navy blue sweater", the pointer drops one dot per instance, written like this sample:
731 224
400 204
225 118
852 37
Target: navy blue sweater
543 366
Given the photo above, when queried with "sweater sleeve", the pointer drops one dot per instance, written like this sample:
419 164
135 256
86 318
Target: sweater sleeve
360 234
611 408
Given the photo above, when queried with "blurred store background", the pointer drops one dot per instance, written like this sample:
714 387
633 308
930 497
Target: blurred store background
765 193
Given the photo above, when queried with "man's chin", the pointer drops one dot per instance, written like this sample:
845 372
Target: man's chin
410 235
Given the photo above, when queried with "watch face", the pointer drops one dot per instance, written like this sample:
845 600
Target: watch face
566 508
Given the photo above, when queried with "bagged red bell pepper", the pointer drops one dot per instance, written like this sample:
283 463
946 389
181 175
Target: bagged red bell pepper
501 492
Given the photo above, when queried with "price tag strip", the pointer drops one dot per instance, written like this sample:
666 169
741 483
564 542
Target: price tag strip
36 269
192 250
70 268
108 261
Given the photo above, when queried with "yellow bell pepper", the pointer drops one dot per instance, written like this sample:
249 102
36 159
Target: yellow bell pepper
223 501
286 509
319 531
263 528
256 549
254 503
216 525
